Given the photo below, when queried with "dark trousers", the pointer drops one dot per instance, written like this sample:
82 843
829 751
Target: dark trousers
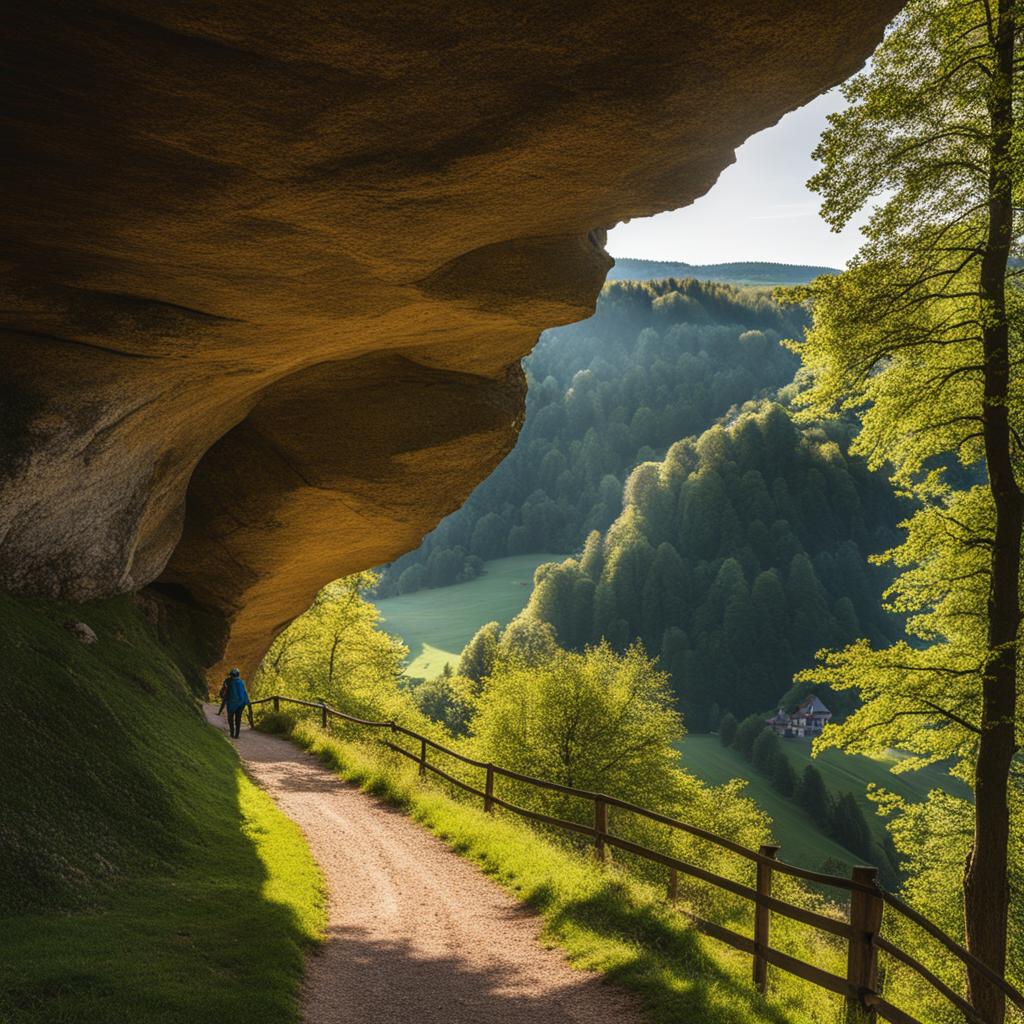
235 720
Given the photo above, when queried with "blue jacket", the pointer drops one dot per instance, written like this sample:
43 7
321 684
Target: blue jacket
236 696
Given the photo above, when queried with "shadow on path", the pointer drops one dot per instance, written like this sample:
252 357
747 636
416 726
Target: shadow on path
394 980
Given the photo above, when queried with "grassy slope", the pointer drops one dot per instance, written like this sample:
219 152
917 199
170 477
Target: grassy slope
142 876
802 840
854 772
437 624
603 920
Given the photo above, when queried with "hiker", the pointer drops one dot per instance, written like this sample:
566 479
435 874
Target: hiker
234 694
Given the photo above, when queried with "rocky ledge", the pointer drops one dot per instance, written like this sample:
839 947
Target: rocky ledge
270 267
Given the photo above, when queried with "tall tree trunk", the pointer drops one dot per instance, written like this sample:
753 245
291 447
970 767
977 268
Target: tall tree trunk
986 888
330 667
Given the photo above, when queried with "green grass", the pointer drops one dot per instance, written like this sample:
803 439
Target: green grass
143 878
437 624
803 843
603 920
802 839
854 772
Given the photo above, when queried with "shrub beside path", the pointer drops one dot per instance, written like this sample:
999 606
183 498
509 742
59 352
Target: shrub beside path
414 932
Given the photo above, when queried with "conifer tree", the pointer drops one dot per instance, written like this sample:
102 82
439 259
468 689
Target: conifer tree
765 752
850 827
478 655
746 735
813 796
727 729
783 775
664 594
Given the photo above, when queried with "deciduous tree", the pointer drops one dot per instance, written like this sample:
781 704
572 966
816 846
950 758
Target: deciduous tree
921 338
597 720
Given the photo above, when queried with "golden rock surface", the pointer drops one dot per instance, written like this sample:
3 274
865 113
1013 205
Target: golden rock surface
270 267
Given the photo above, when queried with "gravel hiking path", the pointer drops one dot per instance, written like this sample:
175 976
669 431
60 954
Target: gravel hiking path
415 934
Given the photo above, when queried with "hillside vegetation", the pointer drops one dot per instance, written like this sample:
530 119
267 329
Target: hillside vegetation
804 838
751 552
143 878
735 558
436 624
657 362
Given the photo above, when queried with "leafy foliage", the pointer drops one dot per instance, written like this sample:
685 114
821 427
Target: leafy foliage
593 720
727 729
922 339
448 699
335 652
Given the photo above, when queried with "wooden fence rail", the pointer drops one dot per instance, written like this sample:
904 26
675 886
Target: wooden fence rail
861 931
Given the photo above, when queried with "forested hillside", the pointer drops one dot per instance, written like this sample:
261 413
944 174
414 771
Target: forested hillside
659 361
735 558
741 550
741 546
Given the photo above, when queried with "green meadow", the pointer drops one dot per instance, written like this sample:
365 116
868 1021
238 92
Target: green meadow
437 624
802 838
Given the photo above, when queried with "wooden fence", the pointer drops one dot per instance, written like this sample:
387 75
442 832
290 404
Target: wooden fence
867 899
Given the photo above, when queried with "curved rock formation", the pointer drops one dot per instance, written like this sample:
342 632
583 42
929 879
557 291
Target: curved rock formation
285 258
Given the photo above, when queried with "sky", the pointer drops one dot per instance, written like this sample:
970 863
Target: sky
759 209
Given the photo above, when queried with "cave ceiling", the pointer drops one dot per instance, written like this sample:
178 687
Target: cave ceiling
270 267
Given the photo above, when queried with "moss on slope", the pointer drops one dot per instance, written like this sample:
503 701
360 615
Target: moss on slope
142 876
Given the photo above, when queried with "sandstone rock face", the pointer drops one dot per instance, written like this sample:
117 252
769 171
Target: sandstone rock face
270 267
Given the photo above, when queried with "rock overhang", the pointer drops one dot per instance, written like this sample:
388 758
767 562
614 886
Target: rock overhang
271 268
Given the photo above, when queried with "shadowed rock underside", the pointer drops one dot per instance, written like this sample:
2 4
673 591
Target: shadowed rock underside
270 268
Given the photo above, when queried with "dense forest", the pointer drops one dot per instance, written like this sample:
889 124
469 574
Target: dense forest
735 558
732 543
659 361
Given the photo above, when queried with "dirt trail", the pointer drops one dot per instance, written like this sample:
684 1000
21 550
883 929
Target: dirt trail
414 932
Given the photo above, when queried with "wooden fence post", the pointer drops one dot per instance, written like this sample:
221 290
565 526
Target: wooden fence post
862 959
489 790
601 825
277 705
323 715
762 918
423 757
673 884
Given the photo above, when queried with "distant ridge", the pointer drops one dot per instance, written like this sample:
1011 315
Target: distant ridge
752 273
